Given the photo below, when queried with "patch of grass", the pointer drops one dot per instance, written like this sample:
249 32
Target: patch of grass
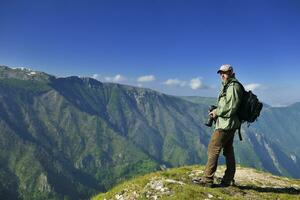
182 187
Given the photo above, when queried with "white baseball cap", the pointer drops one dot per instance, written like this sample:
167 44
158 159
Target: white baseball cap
225 68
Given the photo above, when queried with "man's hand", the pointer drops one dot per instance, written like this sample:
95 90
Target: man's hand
213 114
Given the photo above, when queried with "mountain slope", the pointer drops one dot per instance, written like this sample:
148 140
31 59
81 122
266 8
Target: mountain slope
70 137
283 120
73 137
177 183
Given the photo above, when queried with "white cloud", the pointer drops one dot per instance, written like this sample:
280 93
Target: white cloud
147 78
95 76
117 78
175 82
196 83
253 86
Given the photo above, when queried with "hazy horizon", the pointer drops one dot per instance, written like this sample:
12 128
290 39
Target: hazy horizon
132 85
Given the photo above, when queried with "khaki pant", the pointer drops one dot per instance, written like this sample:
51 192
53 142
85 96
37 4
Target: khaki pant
220 139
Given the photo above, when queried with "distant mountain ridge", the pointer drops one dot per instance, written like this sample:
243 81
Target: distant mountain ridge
74 137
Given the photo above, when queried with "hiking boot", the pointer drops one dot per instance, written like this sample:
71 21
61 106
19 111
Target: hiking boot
224 184
202 182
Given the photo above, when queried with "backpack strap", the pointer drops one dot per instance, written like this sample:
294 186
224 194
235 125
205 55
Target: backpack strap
239 128
239 132
235 81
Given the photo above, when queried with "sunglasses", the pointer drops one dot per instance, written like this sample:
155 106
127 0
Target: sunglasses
221 72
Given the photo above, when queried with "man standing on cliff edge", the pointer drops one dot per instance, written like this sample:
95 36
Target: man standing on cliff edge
227 122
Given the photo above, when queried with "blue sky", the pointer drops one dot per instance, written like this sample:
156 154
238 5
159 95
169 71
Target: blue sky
173 46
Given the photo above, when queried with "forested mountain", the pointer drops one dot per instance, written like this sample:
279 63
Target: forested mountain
74 137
